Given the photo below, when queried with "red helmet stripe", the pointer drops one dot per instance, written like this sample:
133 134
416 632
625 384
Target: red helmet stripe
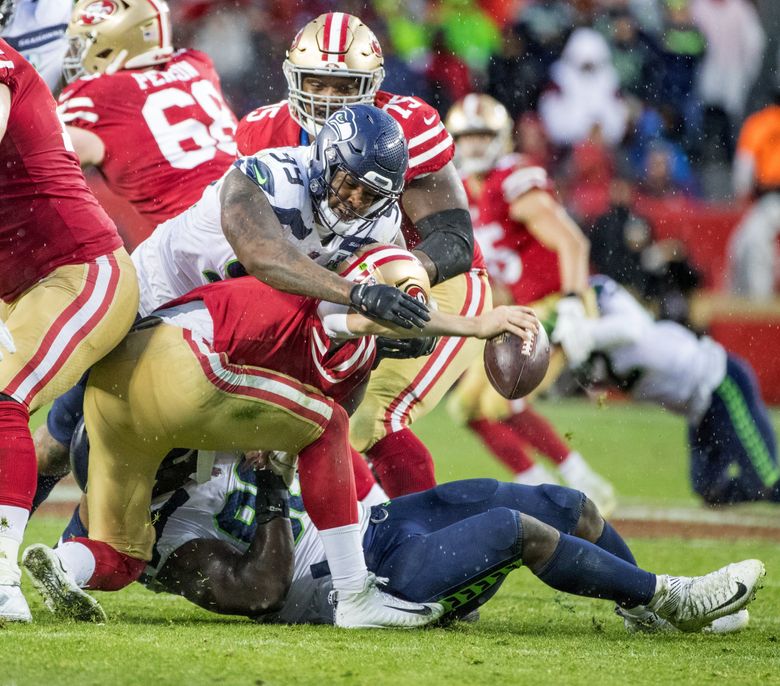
334 37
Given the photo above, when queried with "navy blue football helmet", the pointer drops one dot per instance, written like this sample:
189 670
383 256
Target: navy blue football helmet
369 147
7 9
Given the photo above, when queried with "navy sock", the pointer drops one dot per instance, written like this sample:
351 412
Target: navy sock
75 528
611 541
44 487
581 568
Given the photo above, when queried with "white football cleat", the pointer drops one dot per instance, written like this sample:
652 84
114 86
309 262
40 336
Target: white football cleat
60 592
641 620
370 608
13 606
691 603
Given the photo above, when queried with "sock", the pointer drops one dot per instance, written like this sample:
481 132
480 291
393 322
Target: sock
503 442
45 485
13 521
75 528
18 464
573 467
364 479
327 478
535 475
532 427
98 566
402 463
376 496
581 568
611 541
344 551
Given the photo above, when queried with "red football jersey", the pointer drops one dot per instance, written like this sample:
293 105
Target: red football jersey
284 335
48 215
514 257
167 131
430 145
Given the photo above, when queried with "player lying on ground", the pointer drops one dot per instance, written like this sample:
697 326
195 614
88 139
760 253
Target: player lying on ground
730 436
238 365
225 545
282 216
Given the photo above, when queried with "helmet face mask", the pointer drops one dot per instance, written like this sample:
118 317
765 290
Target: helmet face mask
7 10
357 171
482 130
334 52
108 35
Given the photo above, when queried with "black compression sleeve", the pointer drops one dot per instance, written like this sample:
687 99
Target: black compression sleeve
448 240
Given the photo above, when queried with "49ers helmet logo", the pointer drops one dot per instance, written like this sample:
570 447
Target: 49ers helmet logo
417 292
96 12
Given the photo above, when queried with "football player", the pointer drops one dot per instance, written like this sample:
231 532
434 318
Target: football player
36 29
334 61
732 443
215 371
533 249
68 290
153 121
225 545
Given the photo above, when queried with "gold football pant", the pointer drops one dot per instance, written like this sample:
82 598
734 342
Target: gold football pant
401 391
162 388
64 324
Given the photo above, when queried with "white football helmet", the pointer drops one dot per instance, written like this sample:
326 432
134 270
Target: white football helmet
333 44
108 35
474 115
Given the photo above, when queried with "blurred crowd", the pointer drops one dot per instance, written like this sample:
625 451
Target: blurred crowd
619 100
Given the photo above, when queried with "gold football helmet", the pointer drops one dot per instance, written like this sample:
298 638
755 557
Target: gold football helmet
391 265
479 115
108 35
333 44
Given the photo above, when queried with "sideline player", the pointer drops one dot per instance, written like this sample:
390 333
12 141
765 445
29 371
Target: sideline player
154 122
212 371
36 29
533 250
732 443
68 289
334 61
454 544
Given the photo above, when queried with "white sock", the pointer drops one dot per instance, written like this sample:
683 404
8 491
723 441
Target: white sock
344 551
573 467
77 560
376 496
13 521
534 476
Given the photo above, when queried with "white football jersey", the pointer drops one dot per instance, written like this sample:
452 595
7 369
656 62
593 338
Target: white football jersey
673 367
191 250
37 31
223 508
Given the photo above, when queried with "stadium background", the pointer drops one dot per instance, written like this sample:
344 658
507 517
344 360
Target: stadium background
675 157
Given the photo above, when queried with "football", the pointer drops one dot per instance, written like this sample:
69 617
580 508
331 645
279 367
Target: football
515 367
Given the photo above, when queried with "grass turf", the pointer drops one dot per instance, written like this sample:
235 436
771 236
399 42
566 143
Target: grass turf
526 633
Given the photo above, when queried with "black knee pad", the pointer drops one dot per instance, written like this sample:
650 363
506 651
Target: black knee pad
466 492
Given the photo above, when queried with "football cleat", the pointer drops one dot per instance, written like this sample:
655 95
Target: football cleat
60 592
641 620
691 603
13 606
371 608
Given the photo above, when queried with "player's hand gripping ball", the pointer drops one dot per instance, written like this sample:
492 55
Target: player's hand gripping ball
516 367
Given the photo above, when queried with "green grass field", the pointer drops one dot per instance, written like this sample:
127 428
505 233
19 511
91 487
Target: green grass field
527 634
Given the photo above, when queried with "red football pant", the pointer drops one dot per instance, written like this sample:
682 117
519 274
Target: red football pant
402 464
18 465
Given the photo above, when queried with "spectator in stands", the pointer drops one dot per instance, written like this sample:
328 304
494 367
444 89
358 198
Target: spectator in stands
469 32
531 141
449 77
547 24
735 48
623 248
590 171
584 93
752 248
515 76
661 176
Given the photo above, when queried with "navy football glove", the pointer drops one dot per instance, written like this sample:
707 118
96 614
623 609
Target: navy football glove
389 304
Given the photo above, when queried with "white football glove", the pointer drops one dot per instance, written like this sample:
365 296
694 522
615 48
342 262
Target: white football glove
283 464
6 340
572 331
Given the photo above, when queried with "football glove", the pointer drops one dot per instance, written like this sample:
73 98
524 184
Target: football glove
572 331
6 340
272 499
389 304
405 348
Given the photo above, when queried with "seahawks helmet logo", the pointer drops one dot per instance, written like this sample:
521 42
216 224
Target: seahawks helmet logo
97 12
343 124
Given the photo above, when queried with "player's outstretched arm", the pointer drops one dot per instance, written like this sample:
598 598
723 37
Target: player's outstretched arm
215 576
514 319
5 108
